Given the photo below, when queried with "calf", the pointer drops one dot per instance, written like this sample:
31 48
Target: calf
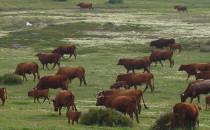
202 75
3 95
49 58
118 85
74 116
180 8
183 111
39 93
85 5
124 104
196 88
68 49
173 47
207 101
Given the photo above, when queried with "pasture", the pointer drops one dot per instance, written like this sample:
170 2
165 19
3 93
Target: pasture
102 37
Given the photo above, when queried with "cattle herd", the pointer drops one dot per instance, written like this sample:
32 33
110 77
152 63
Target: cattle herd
127 101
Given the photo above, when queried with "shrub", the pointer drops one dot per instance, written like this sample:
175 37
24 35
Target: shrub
115 1
208 42
105 117
11 79
60 0
205 48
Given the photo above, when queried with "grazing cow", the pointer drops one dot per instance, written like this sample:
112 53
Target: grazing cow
192 68
202 75
124 104
180 8
162 43
173 47
183 111
64 98
137 79
73 72
196 88
39 93
207 101
68 49
52 81
136 92
74 116
159 55
49 58
27 68
118 85
131 64
3 95
85 5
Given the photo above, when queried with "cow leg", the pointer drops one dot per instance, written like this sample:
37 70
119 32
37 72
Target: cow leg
198 98
151 87
34 76
188 77
38 100
34 100
131 115
54 66
62 56
161 63
44 100
128 71
58 64
69 120
72 122
145 88
139 108
133 70
75 55
67 111
191 99
42 66
59 111
80 82
135 86
24 76
136 115
84 81
46 66
70 55
155 63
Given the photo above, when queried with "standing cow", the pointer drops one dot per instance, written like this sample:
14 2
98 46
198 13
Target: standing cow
162 43
85 5
3 95
68 49
173 47
180 8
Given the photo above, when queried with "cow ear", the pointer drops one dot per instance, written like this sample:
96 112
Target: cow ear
182 94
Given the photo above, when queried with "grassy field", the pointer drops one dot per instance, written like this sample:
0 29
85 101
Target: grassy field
102 37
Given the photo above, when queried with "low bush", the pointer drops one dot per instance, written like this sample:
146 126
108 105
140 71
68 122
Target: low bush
61 0
10 79
105 117
115 1
205 48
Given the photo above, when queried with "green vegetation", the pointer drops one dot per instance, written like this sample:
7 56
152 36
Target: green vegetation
10 79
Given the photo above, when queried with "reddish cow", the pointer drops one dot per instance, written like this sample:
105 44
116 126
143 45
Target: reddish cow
52 81
49 58
85 5
64 98
207 101
74 116
118 85
137 79
173 47
183 111
162 43
180 8
73 72
159 55
3 95
39 93
27 68
131 64
196 88
123 104
68 49
202 75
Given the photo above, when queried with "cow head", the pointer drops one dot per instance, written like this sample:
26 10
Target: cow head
121 62
172 40
38 54
31 93
198 75
79 4
55 105
181 68
175 7
152 43
56 51
121 77
183 97
100 101
101 93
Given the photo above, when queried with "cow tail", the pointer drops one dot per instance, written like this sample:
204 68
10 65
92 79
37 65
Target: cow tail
5 93
143 100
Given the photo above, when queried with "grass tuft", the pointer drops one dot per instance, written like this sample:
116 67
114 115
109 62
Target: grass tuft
11 79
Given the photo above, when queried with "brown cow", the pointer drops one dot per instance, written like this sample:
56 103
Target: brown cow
202 75
162 43
192 68
64 98
119 84
27 68
136 92
196 88
137 79
173 47
85 5
180 8
68 49
52 81
49 58
74 116
39 93
159 55
124 104
73 72
207 101
3 95
183 111
131 64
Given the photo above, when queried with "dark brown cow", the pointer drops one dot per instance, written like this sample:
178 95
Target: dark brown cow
136 92
192 68
74 116
119 84
73 72
85 5
207 101
131 64
68 49
39 93
137 79
3 95
180 8
52 81
124 104
49 58
159 55
173 47
202 75
196 88
183 111
64 98
27 68
162 43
